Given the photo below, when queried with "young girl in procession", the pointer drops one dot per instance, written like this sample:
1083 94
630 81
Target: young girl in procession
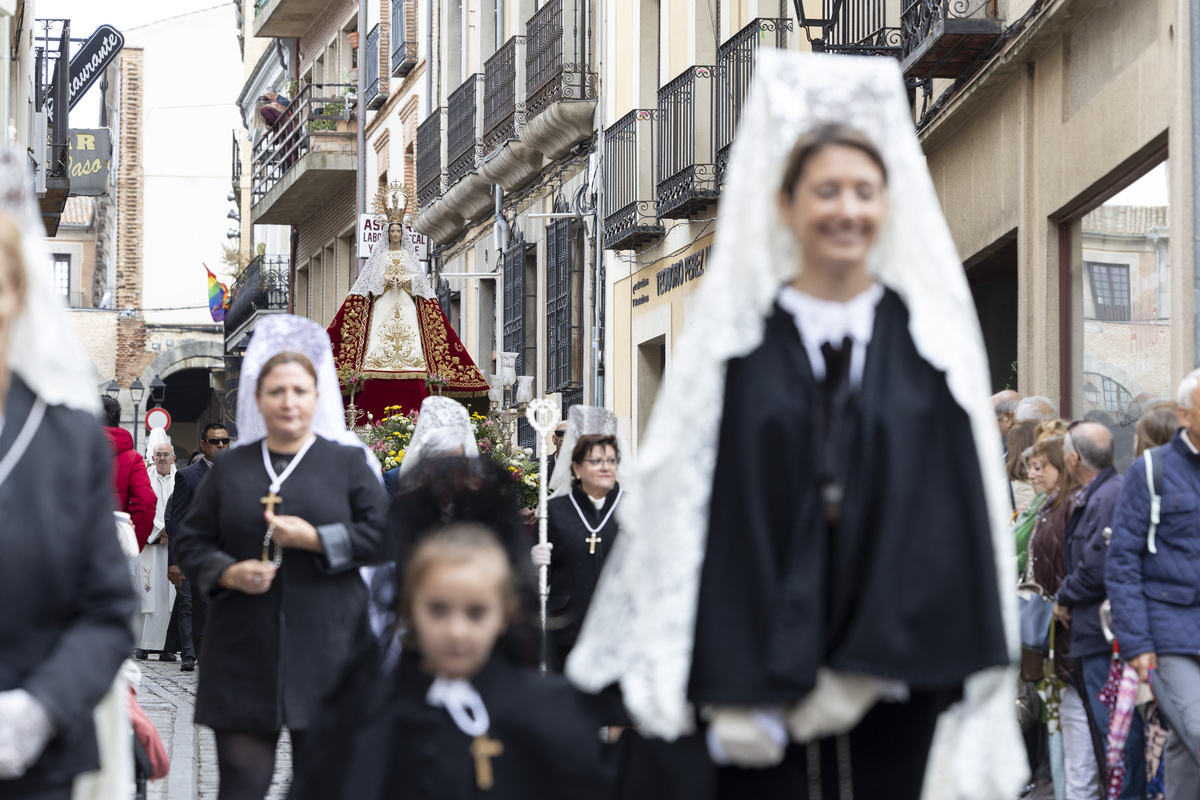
458 716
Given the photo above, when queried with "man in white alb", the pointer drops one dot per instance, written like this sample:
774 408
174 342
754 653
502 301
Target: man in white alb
155 592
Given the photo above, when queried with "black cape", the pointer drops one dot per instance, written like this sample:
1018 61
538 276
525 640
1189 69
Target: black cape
904 589
377 737
268 659
66 599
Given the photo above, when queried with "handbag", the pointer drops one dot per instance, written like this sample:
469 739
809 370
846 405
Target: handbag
1036 614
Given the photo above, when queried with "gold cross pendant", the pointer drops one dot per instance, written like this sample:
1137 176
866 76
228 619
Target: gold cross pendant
271 500
483 750
593 542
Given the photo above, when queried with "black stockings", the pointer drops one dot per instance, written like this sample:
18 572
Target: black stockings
246 763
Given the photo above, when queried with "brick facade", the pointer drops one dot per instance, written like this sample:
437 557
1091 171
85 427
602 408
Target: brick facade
313 43
131 327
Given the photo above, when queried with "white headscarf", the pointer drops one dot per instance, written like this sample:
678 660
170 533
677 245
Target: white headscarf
639 630
286 333
43 348
372 280
585 421
157 436
443 426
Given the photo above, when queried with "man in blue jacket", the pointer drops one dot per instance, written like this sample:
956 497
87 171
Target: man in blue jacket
1154 587
1088 453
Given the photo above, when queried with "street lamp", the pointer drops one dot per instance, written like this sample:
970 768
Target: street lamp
158 391
811 14
136 390
112 390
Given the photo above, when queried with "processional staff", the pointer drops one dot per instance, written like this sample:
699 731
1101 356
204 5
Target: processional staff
538 415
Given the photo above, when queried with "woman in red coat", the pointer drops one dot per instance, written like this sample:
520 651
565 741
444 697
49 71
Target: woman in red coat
131 487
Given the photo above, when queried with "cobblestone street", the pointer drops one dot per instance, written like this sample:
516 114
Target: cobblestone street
168 695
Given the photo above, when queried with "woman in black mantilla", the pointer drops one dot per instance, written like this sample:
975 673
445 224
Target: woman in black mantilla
274 535
582 528
813 558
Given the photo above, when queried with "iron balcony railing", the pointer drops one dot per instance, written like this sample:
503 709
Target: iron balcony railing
501 115
262 286
236 165
404 37
52 54
943 38
687 174
464 144
558 57
736 59
859 27
370 66
630 216
429 158
319 111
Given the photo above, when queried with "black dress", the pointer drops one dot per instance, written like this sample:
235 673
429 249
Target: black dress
574 567
377 737
902 586
268 659
66 601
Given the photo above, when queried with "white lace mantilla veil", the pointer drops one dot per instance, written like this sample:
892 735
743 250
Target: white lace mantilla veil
44 348
154 439
582 421
373 276
279 333
640 626
446 420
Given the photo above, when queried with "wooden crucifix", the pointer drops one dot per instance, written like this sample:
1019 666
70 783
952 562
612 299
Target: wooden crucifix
271 500
483 750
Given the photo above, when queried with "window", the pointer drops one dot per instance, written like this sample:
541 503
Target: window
520 321
61 265
1110 291
1116 398
564 312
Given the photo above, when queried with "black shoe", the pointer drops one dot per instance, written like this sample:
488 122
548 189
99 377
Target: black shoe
165 656
189 664
139 654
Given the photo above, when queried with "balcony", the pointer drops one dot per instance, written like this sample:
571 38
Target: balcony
435 219
372 69
308 155
943 38
286 19
404 37
262 287
687 172
467 193
736 59
560 97
630 216
860 28
507 161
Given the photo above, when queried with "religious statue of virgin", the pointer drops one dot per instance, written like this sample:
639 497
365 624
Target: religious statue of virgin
392 329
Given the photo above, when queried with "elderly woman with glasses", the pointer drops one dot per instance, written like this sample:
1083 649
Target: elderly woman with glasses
581 527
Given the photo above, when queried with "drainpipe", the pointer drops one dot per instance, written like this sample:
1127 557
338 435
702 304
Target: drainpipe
430 99
500 234
360 198
598 337
1194 47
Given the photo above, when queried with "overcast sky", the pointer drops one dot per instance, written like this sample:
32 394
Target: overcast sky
87 15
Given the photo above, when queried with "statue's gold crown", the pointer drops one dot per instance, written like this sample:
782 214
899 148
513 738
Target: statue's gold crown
395 202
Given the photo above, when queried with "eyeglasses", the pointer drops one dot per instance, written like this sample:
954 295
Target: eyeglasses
215 442
595 462
559 434
163 456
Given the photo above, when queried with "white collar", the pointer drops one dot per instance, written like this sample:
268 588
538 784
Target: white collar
820 321
206 461
1183 434
598 502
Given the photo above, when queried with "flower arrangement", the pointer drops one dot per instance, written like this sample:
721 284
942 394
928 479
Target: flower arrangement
389 439
351 380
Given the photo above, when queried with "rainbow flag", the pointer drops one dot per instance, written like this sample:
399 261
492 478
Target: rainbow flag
218 296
